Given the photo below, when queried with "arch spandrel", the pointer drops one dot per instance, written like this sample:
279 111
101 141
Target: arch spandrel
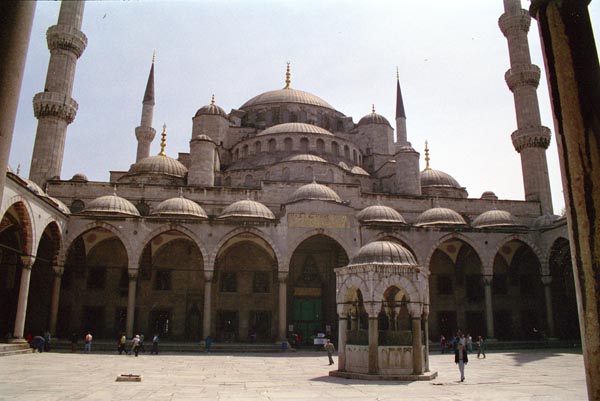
129 249
348 287
402 283
246 230
312 233
457 236
541 257
25 215
165 229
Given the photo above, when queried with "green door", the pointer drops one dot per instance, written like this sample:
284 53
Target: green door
308 317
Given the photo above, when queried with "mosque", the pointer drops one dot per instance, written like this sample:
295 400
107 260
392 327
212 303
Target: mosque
282 216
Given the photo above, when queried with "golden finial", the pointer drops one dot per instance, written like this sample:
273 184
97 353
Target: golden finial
163 141
212 101
153 56
397 74
373 108
288 79
427 157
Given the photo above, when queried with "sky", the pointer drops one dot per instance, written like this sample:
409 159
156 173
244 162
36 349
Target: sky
450 55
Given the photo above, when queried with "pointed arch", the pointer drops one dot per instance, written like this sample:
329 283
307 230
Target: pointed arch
171 227
541 256
311 233
245 230
99 224
457 236
25 215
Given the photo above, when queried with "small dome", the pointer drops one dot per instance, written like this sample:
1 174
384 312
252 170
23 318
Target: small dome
494 218
373 118
380 214
358 170
295 128
111 204
314 191
211 109
436 178
247 209
59 205
159 165
35 188
344 166
383 253
545 220
306 158
79 177
180 207
287 95
440 216
489 195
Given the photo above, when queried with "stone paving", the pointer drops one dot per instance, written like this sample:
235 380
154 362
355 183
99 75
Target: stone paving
521 375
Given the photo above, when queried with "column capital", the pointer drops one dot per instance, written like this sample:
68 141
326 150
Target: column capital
487 279
282 276
415 310
133 274
547 280
58 270
208 275
27 262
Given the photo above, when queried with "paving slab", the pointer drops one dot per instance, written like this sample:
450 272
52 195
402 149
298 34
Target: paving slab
540 375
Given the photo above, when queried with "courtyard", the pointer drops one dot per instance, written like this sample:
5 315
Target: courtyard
542 375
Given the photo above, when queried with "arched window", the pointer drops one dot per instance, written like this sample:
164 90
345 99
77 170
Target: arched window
272 145
257 147
248 181
285 174
320 146
355 156
346 152
335 148
309 175
236 154
245 151
304 145
288 144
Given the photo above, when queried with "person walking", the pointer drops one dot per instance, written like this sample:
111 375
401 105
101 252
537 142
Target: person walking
88 343
135 345
461 359
469 344
330 350
154 345
122 344
74 340
443 344
480 347
142 343
207 343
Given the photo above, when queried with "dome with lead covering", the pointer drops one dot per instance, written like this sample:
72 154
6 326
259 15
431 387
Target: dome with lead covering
306 158
358 170
380 214
294 128
247 209
211 109
79 177
545 220
286 95
159 164
437 178
494 218
440 216
383 253
373 118
314 191
111 204
180 207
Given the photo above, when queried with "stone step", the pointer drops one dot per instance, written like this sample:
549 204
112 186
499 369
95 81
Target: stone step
168 346
14 349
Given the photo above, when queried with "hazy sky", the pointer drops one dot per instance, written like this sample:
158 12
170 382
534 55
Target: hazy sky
451 58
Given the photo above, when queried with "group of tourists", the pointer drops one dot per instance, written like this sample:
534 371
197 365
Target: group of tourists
136 345
462 346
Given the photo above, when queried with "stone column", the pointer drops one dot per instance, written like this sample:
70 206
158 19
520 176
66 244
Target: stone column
342 338
547 280
373 345
58 272
489 311
206 322
282 277
27 262
133 274
17 17
573 74
426 331
417 346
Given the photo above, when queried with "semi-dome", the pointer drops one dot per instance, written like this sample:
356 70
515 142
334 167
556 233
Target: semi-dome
437 178
440 216
306 158
344 166
358 170
159 164
383 253
295 128
111 204
247 209
79 177
180 207
380 214
314 191
494 218
373 118
211 109
286 95
545 220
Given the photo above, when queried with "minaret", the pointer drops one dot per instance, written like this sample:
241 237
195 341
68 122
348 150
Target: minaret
401 135
145 133
54 107
531 139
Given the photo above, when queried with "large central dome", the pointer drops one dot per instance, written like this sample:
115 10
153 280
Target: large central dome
286 95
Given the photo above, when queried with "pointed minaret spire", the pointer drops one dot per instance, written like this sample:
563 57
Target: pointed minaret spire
145 133
401 134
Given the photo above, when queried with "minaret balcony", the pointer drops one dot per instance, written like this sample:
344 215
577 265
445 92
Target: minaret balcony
56 105
145 133
512 23
531 137
66 37
523 74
